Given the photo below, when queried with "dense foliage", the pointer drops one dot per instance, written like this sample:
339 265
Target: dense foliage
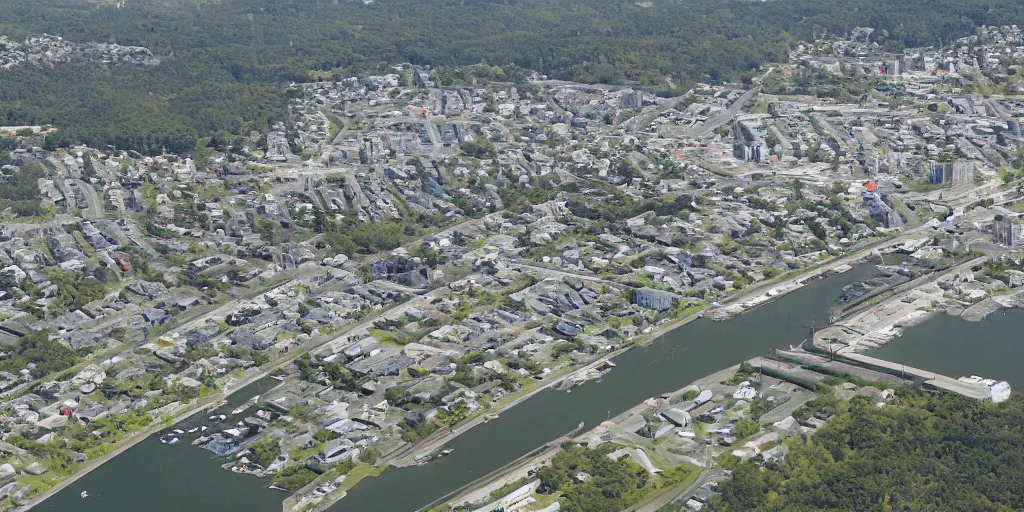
224 62
37 348
929 452
19 191
610 485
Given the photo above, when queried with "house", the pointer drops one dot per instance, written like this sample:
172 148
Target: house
90 413
654 299
679 417
335 451
565 328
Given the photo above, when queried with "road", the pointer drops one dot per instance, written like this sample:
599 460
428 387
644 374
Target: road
724 117
830 130
680 490
333 344
550 272
94 204
342 132
998 108
639 123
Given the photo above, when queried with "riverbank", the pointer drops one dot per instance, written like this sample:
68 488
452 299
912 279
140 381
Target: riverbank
205 403
208 403
672 358
660 331
745 300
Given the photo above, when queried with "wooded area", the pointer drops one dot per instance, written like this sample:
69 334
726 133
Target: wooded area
921 452
225 63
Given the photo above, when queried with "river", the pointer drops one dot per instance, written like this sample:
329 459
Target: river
158 477
954 347
161 478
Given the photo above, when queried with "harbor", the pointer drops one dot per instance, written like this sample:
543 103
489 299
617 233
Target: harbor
670 361
679 357
170 476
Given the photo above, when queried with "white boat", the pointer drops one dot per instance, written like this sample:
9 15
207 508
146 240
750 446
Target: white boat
173 440
178 431
202 428
84 494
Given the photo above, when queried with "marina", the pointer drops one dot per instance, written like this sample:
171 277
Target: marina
670 361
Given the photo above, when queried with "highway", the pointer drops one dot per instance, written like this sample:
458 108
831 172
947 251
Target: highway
723 118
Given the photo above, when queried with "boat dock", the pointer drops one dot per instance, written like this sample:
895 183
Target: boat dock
970 387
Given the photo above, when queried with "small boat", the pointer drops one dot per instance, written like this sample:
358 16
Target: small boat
609 363
178 431
193 429
489 417
173 440
84 494
444 453
203 428
222 417
163 441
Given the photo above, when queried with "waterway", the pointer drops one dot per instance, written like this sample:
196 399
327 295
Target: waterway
159 478
952 346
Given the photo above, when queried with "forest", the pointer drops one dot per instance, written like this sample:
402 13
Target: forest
225 64
921 452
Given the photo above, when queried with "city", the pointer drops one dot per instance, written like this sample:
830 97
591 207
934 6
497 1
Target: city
413 253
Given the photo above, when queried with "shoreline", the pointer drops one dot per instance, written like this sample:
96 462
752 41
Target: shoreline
792 282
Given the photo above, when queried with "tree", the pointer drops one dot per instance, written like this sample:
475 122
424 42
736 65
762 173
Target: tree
202 154
798 189
395 395
370 455
35 347
746 428
1018 160
922 451
373 238
323 435
480 147
265 451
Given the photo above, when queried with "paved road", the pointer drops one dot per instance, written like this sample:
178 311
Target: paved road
550 272
94 204
724 117
678 491
640 123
